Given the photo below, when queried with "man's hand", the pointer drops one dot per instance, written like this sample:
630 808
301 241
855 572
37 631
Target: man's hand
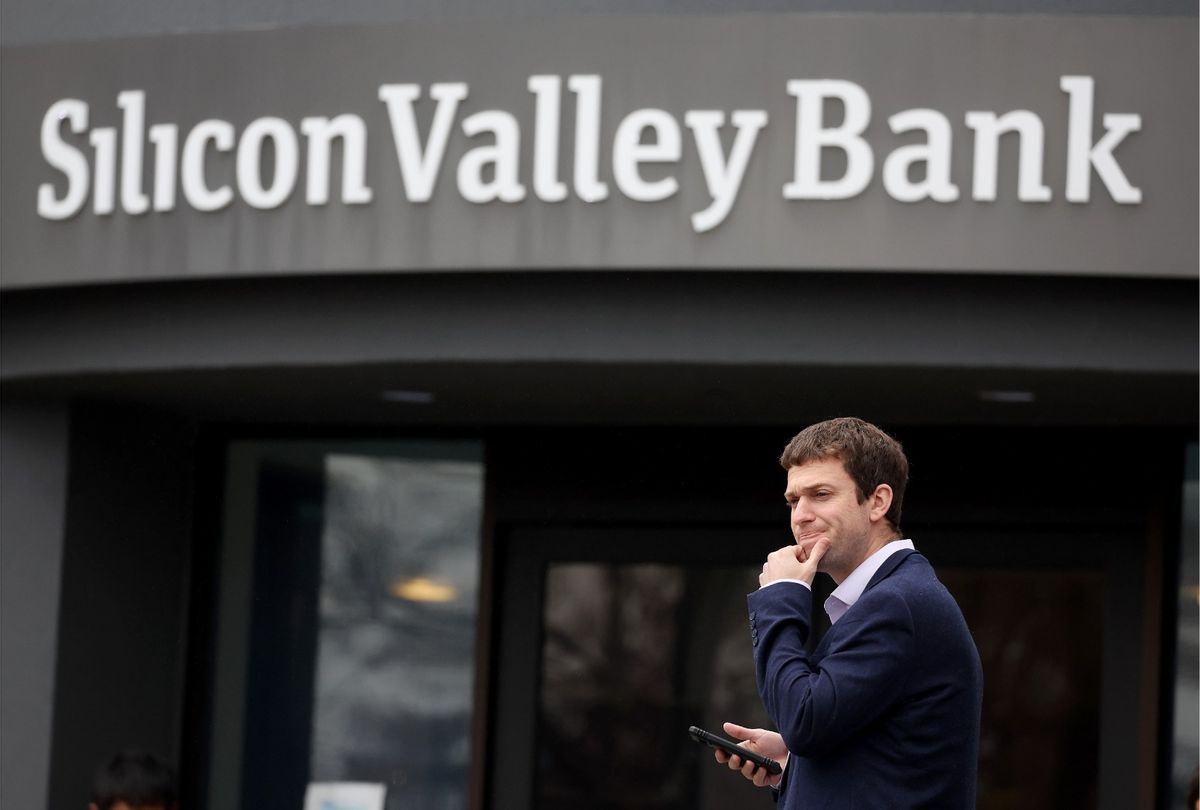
764 742
793 562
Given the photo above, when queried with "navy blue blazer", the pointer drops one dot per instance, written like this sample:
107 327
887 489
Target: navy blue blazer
885 713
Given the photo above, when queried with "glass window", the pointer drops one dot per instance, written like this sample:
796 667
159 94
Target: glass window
350 579
632 655
644 633
1040 636
1187 650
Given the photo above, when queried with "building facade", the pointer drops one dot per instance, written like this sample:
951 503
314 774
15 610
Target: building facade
391 394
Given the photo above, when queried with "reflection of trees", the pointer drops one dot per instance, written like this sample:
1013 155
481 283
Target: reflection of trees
609 646
362 576
632 655
394 677
1039 638
610 630
393 518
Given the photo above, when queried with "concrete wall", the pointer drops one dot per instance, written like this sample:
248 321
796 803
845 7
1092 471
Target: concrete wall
33 495
122 635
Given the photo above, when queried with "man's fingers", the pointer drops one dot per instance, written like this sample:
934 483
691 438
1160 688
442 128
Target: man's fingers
804 550
818 550
739 732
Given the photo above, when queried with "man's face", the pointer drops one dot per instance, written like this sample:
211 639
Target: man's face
823 501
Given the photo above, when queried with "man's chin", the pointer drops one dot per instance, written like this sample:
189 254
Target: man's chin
807 544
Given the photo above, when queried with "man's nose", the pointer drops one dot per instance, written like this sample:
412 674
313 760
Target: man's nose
801 514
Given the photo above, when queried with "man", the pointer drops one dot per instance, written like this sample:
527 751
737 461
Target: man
885 712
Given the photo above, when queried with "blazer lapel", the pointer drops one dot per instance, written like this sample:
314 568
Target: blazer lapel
889 565
885 570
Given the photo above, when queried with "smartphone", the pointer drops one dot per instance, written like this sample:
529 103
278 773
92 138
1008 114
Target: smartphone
731 747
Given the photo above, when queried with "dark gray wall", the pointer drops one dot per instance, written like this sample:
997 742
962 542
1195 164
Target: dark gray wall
738 318
122 620
33 495
29 21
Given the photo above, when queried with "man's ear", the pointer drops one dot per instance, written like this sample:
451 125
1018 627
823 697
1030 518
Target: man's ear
881 502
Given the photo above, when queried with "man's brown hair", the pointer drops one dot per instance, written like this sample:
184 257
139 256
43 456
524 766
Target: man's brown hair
870 456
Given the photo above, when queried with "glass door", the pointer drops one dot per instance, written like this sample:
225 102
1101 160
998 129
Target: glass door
346 623
613 641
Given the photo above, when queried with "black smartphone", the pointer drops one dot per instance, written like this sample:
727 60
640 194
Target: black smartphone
731 747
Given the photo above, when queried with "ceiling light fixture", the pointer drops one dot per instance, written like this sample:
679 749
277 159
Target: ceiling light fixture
413 397
1010 396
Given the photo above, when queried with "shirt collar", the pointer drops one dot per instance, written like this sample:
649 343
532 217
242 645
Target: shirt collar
852 587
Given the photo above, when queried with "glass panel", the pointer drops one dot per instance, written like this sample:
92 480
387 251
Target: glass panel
346 621
1187 650
632 656
1039 635
399 581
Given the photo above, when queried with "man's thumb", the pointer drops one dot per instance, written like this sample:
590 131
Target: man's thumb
737 732
818 551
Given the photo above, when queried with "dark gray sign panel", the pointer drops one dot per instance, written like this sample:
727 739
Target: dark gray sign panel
1006 144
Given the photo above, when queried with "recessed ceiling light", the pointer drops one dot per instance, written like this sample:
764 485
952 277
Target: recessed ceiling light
415 397
1007 396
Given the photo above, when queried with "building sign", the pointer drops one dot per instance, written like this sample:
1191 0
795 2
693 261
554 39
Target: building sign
492 172
995 144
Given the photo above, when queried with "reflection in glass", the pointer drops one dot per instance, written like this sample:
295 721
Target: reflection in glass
399 580
1187 642
1039 635
632 656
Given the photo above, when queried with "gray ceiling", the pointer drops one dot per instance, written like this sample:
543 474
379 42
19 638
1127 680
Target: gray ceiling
618 348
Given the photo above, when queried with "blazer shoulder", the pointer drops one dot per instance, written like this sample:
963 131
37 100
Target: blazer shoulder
894 563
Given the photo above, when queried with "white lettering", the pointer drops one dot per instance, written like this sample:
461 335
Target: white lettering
320 133
934 153
132 102
195 184
133 200
64 157
629 152
587 138
811 138
503 155
546 184
1082 155
988 129
249 159
262 166
723 177
419 169
104 170
165 138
